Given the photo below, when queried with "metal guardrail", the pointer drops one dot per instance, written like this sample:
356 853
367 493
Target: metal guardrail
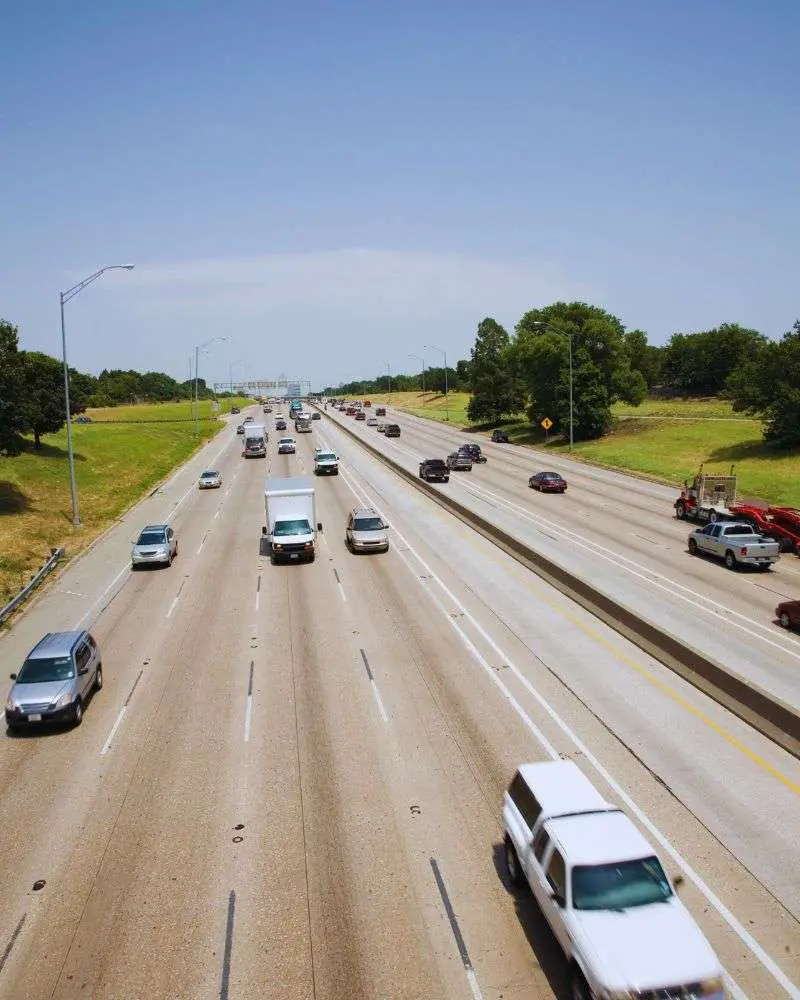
36 579
769 715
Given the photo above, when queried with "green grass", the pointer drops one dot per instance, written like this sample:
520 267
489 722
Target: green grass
115 465
655 440
181 410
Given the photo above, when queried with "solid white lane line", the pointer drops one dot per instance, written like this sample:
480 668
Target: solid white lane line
736 926
247 717
113 733
172 607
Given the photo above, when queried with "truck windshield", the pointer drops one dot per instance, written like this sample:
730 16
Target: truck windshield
619 886
298 527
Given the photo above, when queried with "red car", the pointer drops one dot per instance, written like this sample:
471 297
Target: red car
788 614
547 482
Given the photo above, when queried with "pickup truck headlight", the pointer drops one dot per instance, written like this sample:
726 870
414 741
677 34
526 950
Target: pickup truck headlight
278 547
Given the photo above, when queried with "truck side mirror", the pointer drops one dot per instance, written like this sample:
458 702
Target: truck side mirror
263 530
557 898
319 525
13 677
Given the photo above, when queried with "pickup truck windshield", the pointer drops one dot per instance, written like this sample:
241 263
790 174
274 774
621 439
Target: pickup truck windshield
619 886
298 527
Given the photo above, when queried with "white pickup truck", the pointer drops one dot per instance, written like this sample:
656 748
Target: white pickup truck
736 542
326 462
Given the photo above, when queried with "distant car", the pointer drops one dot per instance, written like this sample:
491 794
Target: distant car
366 531
372 422
474 452
367 402
280 424
381 428
360 415
55 681
459 462
499 437
156 545
547 482
434 470
210 480
286 446
392 430
83 419
788 614
316 415
235 409
380 411
240 429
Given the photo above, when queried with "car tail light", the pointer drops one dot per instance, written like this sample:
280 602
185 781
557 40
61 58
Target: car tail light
744 551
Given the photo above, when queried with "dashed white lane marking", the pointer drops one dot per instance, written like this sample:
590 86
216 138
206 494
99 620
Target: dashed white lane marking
378 700
341 592
125 569
107 745
258 595
736 926
247 718
172 607
216 515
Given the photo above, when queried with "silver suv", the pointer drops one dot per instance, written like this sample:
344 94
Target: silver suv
55 681
366 531
156 545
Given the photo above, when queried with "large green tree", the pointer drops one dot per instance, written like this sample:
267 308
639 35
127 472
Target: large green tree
644 357
12 393
768 386
495 388
601 366
43 406
698 364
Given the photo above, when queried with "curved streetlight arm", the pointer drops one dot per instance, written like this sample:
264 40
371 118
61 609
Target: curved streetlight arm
72 292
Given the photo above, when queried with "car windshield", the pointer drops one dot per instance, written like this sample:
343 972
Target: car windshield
41 670
297 527
209 475
435 463
151 538
619 886
326 456
368 524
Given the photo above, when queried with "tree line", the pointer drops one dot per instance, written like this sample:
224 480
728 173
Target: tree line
529 371
32 391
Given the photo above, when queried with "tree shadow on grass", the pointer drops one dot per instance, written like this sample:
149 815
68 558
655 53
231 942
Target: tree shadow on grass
755 448
12 499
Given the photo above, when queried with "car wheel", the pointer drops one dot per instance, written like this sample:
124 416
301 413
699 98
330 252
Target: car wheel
513 869
730 560
579 988
785 620
176 548
77 713
786 545
692 547
98 678
680 511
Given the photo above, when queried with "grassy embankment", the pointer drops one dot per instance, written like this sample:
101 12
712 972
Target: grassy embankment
665 440
115 465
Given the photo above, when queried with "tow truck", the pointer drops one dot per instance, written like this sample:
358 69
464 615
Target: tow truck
713 498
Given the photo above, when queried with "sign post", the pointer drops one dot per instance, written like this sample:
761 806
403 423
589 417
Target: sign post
547 423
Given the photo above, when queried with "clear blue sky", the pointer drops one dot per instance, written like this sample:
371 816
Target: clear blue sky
333 185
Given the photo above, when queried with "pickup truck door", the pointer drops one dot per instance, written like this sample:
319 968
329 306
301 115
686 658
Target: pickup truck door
707 538
554 897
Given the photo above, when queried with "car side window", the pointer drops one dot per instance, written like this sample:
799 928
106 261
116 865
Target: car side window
525 800
82 655
557 874
170 532
540 842
91 643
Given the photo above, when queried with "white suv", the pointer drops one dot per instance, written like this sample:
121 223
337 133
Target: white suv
602 889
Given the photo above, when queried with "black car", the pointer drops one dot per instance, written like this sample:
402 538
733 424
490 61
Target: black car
392 431
547 482
280 425
316 415
499 437
235 409
434 470
474 452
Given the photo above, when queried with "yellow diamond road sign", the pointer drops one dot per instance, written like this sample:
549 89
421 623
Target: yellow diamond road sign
547 423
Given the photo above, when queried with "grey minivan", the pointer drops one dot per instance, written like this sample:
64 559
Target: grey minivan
55 681
366 531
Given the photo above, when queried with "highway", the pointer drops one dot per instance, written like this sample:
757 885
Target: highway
290 784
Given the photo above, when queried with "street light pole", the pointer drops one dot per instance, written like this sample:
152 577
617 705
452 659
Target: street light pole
568 335
197 351
430 347
65 297
418 358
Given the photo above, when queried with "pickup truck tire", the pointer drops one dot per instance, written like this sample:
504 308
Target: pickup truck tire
579 988
513 869
730 560
692 547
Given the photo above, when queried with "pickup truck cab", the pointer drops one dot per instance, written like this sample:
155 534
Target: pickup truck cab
736 543
603 891
326 463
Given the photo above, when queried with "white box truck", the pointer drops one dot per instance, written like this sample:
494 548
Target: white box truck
292 524
255 441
